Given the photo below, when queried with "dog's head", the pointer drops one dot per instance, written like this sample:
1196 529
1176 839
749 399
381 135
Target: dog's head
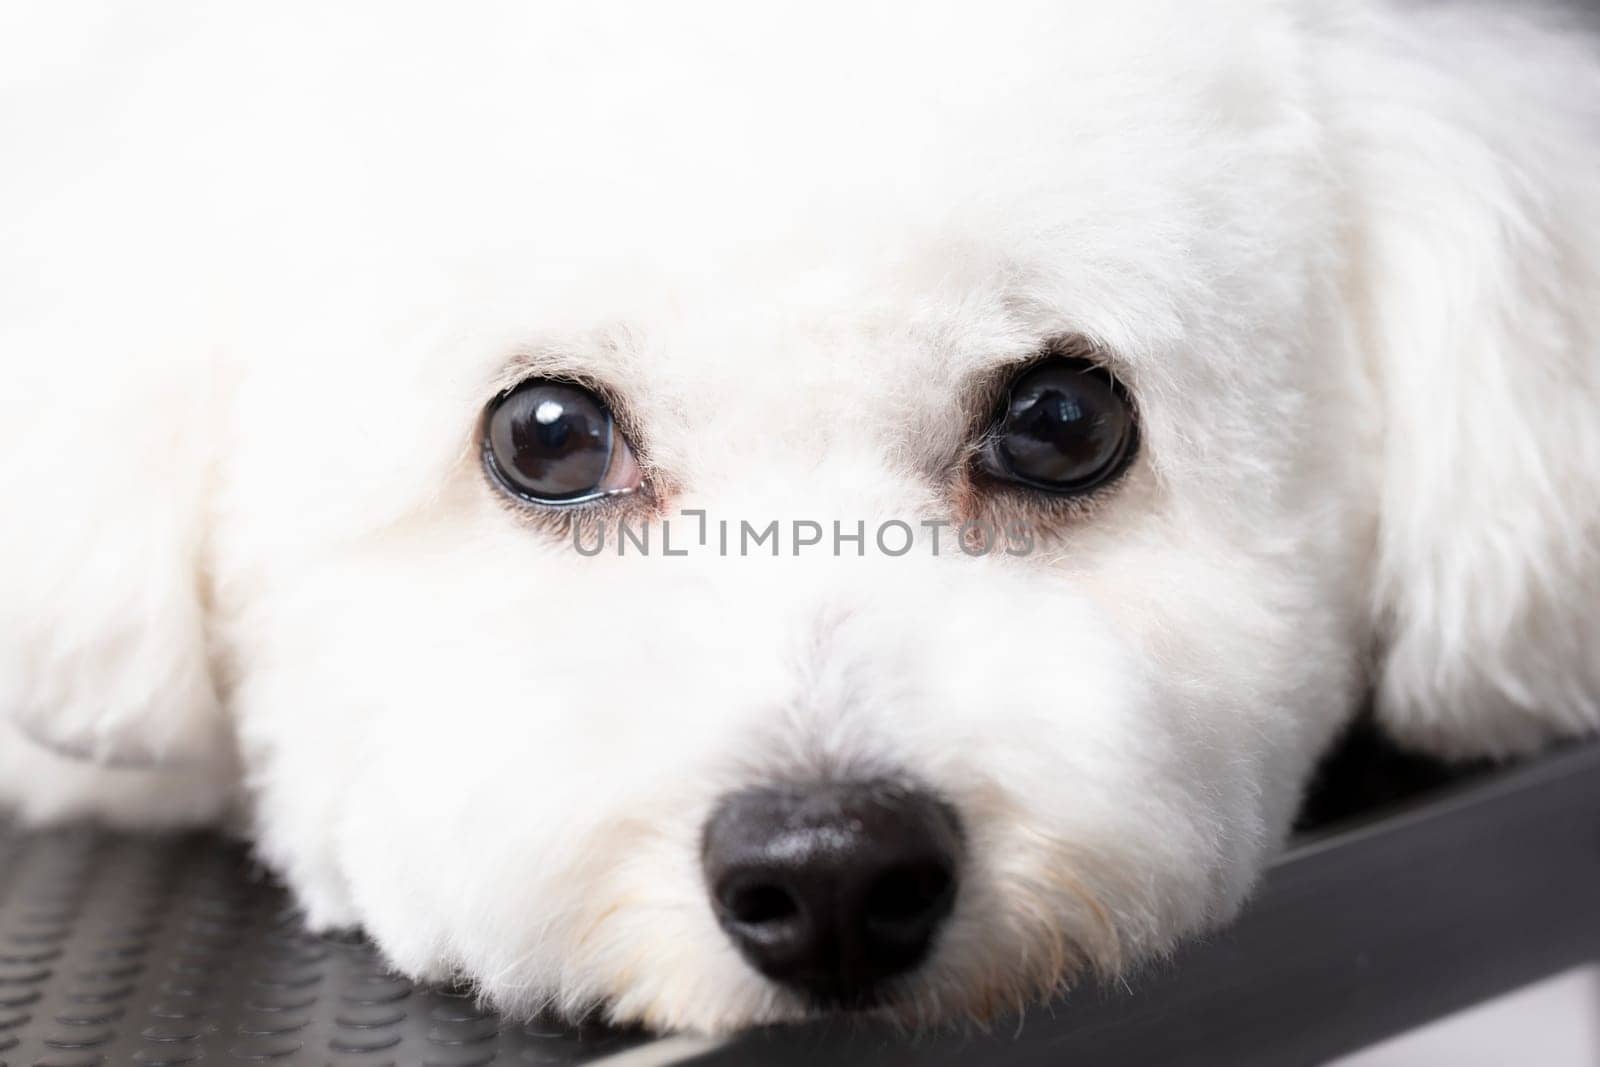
768 516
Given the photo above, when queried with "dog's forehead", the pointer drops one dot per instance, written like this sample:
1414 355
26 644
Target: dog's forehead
719 228
714 199
751 113
702 145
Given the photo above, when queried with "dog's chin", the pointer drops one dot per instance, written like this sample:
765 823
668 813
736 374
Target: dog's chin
921 1004
907 1007
916 1004
861 1002
912 1006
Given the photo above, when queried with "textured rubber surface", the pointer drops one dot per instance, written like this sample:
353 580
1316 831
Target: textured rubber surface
171 950
175 950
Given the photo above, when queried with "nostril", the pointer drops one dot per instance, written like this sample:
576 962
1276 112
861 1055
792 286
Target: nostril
758 903
908 897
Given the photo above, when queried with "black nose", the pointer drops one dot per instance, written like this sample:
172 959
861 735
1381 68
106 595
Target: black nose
835 888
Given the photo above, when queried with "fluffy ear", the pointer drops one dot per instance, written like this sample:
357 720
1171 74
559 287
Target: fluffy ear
103 636
1473 138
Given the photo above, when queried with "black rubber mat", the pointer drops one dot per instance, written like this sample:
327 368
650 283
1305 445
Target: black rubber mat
128 950
119 949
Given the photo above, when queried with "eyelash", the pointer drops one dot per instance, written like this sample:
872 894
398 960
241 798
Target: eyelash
586 516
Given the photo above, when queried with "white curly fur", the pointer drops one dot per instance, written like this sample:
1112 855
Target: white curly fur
261 268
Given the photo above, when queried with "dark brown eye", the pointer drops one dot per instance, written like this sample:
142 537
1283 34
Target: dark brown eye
1066 428
554 442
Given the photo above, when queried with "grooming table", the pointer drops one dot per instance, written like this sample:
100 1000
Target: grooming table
173 950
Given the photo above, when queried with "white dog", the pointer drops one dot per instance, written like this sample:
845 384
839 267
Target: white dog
1245 357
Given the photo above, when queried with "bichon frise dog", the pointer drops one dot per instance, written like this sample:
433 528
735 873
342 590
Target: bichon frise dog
722 512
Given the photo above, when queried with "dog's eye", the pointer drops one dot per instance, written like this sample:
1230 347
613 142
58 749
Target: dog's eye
1066 428
554 442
